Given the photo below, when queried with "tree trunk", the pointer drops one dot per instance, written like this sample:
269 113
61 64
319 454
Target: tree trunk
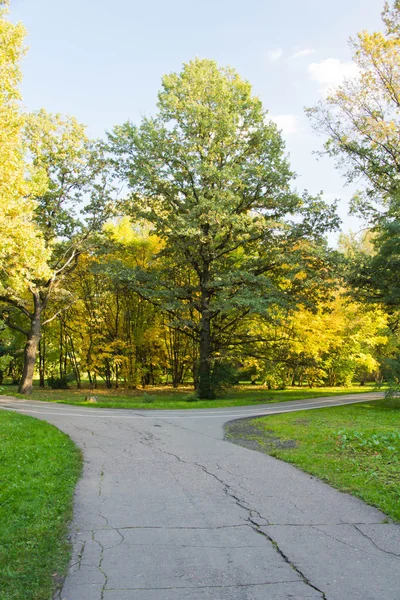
205 389
31 349
42 359
108 375
74 363
60 358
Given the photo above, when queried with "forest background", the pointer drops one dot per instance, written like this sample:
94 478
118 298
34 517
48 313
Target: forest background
179 252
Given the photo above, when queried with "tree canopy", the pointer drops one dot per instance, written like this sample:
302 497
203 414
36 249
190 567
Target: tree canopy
210 176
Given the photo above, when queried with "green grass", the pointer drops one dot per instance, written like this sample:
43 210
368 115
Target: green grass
163 397
39 467
354 448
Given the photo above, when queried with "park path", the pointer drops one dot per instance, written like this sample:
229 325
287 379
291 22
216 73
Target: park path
168 510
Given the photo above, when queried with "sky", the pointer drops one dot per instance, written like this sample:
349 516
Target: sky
102 62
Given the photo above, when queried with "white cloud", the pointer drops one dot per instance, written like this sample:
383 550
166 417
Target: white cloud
275 54
304 52
330 73
287 123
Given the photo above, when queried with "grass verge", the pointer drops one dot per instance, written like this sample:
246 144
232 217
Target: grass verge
354 448
39 467
162 398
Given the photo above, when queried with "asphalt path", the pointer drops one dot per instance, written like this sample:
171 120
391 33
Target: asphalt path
168 510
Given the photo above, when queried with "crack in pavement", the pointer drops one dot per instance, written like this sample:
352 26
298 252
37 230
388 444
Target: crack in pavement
79 557
335 538
250 519
100 564
173 528
374 543
201 587
351 545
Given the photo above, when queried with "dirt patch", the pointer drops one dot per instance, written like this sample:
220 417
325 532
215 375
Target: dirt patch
244 432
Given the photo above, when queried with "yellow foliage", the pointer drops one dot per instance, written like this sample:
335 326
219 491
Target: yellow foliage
22 250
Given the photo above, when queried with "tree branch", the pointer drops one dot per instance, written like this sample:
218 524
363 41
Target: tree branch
17 304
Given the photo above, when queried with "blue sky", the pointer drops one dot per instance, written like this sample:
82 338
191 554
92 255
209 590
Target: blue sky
103 61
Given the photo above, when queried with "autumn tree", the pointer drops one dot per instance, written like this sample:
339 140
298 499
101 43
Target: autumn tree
210 175
22 250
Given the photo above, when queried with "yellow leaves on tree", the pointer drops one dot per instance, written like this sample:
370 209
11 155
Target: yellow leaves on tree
22 252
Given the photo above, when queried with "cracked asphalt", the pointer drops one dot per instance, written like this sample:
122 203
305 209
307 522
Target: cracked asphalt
168 510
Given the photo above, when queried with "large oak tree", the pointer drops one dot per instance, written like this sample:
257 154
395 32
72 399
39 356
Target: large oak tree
210 175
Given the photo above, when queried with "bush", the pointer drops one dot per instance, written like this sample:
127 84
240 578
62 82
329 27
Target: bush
224 375
191 398
148 398
58 383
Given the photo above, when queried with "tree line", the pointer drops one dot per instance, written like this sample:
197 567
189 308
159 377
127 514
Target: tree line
180 250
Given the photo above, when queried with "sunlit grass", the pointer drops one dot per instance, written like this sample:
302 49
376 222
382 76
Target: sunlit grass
39 467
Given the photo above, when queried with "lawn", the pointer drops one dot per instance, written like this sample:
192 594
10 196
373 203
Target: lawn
39 467
354 448
164 397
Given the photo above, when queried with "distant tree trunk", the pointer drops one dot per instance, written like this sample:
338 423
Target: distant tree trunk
75 364
177 347
42 360
31 348
108 375
61 349
116 377
205 388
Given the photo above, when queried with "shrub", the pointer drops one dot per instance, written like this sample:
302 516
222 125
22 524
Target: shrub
58 383
148 398
191 398
224 375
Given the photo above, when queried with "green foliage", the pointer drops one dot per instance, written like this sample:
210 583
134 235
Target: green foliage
209 175
148 398
191 398
374 442
223 375
58 383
